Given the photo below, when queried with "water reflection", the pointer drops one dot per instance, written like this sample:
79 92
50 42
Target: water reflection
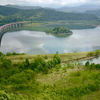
93 60
36 42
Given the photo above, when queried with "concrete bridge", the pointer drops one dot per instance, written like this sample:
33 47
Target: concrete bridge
9 27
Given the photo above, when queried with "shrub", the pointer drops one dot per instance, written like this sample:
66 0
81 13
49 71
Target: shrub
87 64
1 54
56 56
21 58
3 96
90 54
27 62
97 53
8 54
46 57
45 70
92 65
6 63
22 77
37 61
57 68
51 63
64 68
78 73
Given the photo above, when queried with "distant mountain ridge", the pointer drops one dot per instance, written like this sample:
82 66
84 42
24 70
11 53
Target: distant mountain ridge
95 12
72 9
81 8
23 7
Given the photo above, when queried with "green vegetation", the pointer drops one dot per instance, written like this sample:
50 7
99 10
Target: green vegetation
95 12
10 15
9 54
59 31
43 78
96 53
65 57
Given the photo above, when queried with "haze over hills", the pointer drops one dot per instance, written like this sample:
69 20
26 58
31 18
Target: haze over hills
23 7
75 9
81 8
95 12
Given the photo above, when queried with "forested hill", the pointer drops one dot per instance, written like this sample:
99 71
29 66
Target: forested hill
23 7
8 14
95 12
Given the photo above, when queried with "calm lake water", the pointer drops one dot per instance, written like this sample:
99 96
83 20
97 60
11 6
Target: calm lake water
36 42
94 60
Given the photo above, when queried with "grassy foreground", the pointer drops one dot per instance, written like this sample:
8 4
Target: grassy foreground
23 80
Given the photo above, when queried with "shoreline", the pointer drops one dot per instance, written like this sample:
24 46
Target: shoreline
81 59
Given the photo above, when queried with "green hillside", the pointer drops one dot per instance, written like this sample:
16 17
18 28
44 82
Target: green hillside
43 78
14 15
95 12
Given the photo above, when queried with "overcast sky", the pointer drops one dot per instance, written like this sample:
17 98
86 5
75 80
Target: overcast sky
49 3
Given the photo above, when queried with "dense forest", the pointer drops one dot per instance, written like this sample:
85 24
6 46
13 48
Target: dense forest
8 15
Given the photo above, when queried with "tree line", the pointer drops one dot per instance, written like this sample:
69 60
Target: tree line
58 30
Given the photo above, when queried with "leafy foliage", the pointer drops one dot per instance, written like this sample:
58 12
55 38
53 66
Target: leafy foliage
9 54
92 65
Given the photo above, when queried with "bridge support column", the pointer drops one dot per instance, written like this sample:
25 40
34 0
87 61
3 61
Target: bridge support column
13 26
10 27
6 28
16 25
19 25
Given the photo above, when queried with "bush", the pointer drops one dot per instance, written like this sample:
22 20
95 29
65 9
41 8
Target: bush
92 65
64 68
97 53
87 64
8 54
78 73
90 54
56 56
3 96
46 57
45 70
1 54
22 77
51 63
57 67
6 63
38 61
27 63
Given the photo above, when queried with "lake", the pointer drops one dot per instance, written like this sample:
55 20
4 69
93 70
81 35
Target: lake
37 42
93 60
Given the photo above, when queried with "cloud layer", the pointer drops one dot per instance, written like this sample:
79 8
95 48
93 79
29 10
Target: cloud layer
47 2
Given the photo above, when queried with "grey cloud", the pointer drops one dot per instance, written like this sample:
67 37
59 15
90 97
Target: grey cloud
46 3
